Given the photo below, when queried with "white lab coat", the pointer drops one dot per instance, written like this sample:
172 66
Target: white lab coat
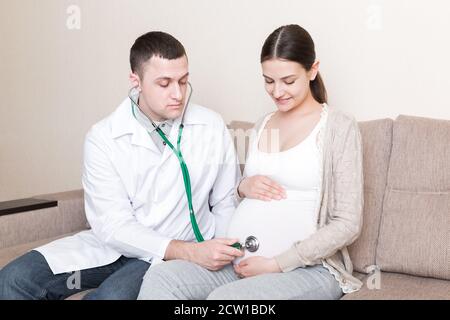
135 200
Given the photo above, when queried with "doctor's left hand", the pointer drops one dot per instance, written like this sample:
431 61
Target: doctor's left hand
254 266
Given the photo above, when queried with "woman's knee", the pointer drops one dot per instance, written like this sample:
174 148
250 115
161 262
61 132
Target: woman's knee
161 281
220 293
169 271
228 291
175 279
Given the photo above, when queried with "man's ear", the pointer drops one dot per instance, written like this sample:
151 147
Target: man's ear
135 81
314 70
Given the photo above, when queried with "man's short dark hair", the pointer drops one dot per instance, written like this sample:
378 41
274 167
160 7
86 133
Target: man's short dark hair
154 43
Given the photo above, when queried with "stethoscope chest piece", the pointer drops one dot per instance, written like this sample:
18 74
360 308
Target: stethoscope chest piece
251 243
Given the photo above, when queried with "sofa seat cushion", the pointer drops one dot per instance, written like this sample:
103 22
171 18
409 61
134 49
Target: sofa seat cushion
395 286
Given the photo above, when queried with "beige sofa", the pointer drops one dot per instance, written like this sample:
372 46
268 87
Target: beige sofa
403 250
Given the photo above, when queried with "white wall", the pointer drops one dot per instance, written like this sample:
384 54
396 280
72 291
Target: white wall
379 58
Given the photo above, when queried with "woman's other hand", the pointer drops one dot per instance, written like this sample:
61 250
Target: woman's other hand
261 188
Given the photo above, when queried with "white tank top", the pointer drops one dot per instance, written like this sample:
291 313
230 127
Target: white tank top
278 224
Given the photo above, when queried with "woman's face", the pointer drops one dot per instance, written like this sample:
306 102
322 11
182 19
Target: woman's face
287 82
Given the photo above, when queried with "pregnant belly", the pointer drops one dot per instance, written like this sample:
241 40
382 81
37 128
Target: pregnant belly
277 224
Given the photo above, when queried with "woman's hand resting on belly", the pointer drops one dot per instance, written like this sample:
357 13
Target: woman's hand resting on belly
261 188
254 266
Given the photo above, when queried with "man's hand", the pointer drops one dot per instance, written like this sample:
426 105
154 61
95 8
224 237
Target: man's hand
211 254
262 188
254 266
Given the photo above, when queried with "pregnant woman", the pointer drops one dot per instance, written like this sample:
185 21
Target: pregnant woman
302 194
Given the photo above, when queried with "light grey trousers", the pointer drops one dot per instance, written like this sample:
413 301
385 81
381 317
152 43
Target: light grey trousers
182 280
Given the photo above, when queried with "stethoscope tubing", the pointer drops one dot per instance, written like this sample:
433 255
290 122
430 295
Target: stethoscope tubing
251 243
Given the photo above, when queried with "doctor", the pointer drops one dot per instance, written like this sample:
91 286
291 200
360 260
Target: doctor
135 198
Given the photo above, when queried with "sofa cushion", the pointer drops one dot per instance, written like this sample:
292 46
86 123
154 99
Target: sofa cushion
401 286
414 232
376 139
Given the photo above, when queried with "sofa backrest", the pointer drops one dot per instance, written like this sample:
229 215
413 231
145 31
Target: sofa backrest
414 236
30 226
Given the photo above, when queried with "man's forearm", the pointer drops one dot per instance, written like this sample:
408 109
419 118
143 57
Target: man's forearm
178 249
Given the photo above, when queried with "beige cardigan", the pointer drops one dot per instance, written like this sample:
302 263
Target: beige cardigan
340 214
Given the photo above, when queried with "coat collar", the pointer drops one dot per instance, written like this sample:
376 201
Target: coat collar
123 123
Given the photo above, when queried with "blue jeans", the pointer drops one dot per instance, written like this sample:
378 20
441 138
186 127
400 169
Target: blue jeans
29 277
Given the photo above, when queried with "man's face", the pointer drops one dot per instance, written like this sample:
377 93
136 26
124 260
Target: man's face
163 87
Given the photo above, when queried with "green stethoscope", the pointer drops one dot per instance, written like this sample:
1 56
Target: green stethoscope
251 243
179 155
